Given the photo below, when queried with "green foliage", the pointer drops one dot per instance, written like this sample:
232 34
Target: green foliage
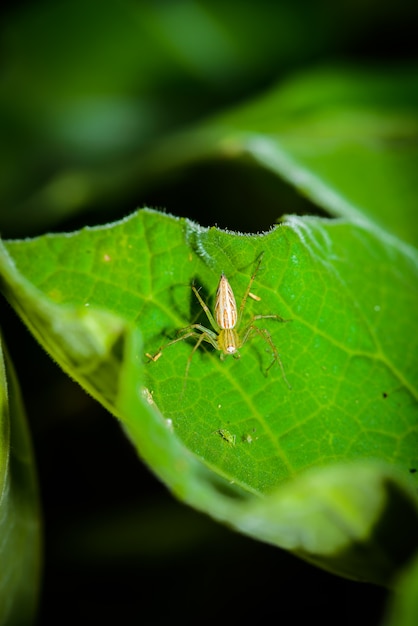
319 458
404 606
345 138
352 371
19 508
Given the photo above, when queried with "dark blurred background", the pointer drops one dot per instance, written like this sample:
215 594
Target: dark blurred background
87 89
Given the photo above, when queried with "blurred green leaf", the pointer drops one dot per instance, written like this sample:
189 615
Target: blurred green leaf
78 111
78 103
403 610
19 508
346 138
352 370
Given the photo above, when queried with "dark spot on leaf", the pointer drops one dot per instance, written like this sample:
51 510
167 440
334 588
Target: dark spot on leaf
413 470
384 394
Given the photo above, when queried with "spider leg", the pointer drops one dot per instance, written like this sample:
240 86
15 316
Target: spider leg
211 335
206 309
269 317
200 340
264 333
247 291
205 335
186 333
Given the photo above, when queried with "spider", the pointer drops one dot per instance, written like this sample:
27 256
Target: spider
224 335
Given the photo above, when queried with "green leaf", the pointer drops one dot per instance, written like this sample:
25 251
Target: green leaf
346 138
73 115
101 298
19 508
404 606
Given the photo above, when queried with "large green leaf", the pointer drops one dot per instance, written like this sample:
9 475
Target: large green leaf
19 508
76 108
229 439
346 138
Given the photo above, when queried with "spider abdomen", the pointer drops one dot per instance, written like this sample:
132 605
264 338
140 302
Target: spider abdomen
225 305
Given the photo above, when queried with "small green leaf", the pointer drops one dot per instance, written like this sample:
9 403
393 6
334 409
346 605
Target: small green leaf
19 508
348 353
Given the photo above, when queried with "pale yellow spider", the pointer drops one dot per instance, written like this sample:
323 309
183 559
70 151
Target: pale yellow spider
225 336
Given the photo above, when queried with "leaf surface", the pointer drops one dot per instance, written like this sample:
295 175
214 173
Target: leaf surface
230 439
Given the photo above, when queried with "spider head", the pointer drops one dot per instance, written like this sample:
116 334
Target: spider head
229 342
